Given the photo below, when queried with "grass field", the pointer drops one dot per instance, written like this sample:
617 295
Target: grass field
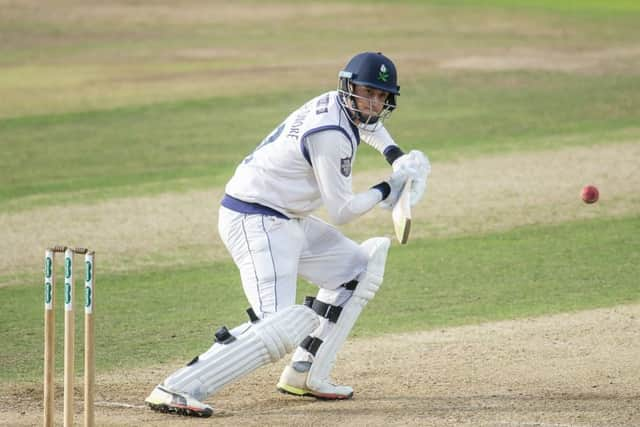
120 123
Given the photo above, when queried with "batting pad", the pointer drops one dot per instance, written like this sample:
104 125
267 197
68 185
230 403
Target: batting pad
368 284
250 346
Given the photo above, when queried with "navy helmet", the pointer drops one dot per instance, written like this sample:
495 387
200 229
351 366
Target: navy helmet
371 69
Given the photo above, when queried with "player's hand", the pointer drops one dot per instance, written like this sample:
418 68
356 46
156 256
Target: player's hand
414 160
420 168
396 181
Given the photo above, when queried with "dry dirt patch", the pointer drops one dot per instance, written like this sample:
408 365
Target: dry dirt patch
578 369
596 60
493 193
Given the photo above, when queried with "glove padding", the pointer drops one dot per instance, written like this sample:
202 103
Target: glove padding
417 168
396 181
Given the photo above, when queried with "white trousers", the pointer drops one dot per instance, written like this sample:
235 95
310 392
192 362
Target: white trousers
272 252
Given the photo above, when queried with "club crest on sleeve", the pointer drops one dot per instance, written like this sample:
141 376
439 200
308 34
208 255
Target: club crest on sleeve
345 166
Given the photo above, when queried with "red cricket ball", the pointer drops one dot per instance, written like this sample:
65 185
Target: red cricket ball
590 194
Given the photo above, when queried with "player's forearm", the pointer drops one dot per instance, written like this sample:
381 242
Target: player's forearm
382 141
355 207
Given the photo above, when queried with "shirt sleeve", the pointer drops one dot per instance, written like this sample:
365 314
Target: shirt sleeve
381 140
331 154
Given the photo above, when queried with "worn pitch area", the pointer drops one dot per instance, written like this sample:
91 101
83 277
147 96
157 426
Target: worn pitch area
577 369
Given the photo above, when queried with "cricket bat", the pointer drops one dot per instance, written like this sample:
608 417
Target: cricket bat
401 214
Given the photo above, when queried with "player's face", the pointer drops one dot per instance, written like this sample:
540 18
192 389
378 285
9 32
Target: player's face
370 101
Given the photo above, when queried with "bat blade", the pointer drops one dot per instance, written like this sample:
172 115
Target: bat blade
401 214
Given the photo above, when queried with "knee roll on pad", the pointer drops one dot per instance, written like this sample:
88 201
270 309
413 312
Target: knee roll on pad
255 344
370 280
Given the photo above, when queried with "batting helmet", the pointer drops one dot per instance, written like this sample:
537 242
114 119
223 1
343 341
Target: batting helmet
372 70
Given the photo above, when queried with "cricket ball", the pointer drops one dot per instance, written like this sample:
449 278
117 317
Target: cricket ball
590 194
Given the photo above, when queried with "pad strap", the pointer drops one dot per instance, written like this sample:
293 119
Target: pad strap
223 336
331 312
308 301
252 315
328 311
351 286
311 344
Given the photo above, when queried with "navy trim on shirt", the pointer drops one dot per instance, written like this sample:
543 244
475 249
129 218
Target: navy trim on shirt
241 206
303 140
305 151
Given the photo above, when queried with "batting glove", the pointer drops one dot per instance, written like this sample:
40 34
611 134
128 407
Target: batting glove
396 183
416 162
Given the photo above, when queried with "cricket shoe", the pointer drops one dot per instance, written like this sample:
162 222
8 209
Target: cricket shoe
294 381
164 400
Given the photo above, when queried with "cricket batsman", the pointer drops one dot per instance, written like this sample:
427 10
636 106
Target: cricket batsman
266 223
